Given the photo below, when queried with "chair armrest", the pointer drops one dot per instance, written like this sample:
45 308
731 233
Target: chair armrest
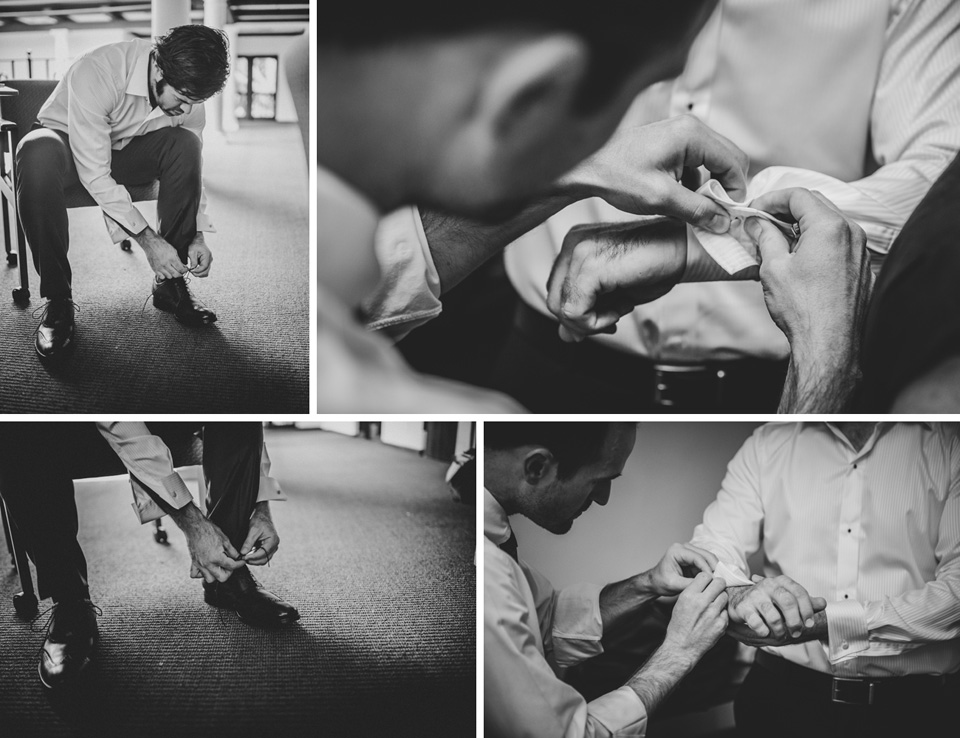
7 125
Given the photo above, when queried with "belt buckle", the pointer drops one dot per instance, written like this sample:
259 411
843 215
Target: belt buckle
846 692
666 376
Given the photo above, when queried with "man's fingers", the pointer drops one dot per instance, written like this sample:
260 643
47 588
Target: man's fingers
819 603
696 209
715 588
787 603
726 163
704 560
250 542
756 624
770 242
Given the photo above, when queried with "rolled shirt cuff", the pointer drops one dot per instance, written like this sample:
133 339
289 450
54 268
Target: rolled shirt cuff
621 712
577 625
847 631
270 491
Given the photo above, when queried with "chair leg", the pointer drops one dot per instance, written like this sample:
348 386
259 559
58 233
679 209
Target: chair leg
21 295
159 535
24 602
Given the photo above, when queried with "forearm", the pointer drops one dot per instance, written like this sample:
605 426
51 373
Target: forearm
626 598
187 517
461 245
659 676
820 384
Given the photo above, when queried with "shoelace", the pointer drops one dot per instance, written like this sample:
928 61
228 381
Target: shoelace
156 284
44 309
45 628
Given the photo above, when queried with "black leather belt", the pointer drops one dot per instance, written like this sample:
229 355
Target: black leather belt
734 385
853 691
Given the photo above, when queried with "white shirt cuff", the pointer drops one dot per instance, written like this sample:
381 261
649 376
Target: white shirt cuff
731 575
409 289
621 712
847 630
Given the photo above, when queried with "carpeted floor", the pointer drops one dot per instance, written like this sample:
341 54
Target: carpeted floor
254 359
374 553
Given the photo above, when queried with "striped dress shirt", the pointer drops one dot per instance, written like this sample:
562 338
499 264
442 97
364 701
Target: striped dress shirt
876 532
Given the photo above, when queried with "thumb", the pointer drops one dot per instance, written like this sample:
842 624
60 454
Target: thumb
770 242
756 578
819 603
249 543
229 549
697 210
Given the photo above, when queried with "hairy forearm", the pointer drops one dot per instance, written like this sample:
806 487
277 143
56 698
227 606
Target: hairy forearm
187 517
659 676
461 245
620 600
820 387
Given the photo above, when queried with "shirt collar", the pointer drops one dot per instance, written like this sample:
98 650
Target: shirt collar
496 526
139 80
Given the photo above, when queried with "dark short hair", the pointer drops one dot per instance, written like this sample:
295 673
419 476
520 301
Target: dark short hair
573 445
194 59
619 41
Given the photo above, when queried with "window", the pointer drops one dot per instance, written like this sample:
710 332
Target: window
256 79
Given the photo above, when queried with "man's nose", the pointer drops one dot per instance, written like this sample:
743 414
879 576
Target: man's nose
185 108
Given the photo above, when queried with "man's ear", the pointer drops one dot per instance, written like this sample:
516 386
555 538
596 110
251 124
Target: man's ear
538 466
533 85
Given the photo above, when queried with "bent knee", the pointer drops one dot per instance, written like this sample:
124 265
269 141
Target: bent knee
41 152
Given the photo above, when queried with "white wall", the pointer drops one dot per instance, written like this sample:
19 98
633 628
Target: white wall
672 475
41 44
273 46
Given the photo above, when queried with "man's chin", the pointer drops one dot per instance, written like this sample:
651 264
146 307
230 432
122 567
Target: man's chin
560 528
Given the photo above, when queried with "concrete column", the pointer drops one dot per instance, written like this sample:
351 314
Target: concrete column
61 51
167 14
229 96
215 16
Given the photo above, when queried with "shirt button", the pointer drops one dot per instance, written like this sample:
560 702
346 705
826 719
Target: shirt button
844 645
854 466
849 530
689 106
846 597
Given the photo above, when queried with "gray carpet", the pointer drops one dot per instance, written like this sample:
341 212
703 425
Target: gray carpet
374 553
254 359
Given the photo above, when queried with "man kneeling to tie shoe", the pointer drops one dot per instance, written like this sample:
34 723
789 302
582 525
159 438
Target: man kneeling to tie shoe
236 531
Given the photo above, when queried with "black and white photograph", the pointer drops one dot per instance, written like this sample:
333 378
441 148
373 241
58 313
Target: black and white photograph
238 579
697 207
154 194
721 579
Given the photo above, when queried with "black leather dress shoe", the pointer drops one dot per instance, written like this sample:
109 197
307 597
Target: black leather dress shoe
255 605
70 640
55 334
173 296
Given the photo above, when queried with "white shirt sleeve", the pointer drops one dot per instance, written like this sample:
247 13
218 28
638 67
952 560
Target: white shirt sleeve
409 291
522 694
732 523
90 101
570 622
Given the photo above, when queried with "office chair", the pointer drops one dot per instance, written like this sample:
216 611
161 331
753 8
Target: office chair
101 462
20 101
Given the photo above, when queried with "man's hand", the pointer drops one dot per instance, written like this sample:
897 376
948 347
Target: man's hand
680 564
200 257
777 607
604 270
818 296
212 555
640 169
262 539
161 256
699 619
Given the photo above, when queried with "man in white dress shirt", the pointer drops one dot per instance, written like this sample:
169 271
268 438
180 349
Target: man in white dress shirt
551 473
859 99
864 518
36 463
124 113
